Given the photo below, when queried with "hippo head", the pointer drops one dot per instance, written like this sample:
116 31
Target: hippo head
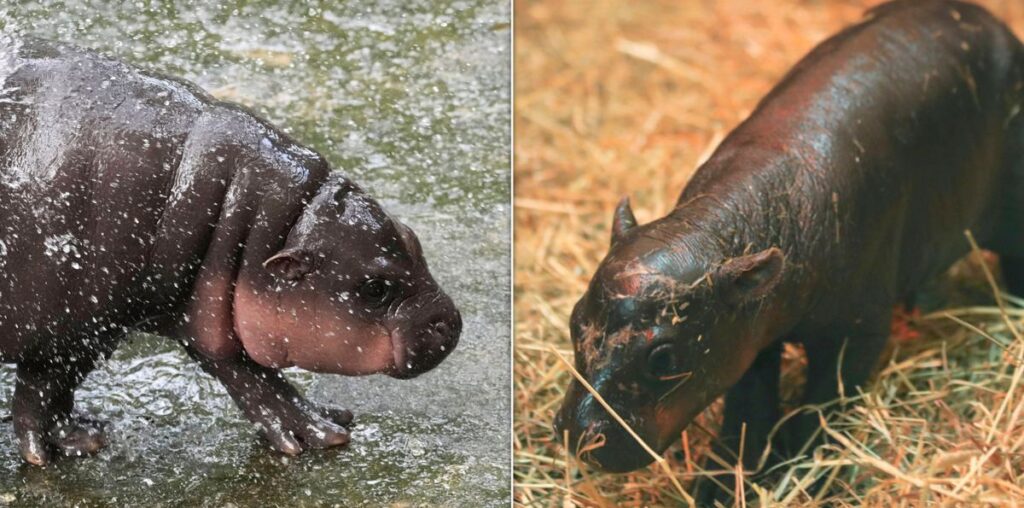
349 293
662 331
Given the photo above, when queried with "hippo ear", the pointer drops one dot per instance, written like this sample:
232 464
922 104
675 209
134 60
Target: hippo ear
623 220
750 277
290 264
345 188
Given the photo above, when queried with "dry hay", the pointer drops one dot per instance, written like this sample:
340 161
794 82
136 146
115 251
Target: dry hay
621 98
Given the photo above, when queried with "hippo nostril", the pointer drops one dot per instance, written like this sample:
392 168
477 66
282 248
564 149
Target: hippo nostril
441 328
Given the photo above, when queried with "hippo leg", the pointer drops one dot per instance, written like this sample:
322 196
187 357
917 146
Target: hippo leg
1013 273
287 420
836 369
1009 239
43 415
751 411
826 377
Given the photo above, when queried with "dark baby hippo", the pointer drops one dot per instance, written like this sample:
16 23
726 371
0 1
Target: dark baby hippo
848 188
134 201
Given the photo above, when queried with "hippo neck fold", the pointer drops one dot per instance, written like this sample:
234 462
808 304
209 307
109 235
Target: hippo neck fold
726 214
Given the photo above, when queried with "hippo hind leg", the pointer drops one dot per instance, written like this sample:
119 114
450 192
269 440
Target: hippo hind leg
43 411
1009 238
1009 245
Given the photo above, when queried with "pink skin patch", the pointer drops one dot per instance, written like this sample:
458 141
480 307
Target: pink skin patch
303 329
209 319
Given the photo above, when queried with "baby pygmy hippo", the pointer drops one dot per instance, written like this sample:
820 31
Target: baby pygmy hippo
849 186
130 200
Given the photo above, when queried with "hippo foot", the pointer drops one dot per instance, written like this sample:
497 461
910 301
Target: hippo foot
293 428
73 436
339 416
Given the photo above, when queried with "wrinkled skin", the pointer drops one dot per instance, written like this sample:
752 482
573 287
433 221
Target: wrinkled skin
848 188
135 201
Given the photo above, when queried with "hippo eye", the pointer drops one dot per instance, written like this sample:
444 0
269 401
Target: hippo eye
375 291
661 362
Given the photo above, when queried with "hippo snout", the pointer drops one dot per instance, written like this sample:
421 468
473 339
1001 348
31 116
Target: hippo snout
439 340
434 333
588 424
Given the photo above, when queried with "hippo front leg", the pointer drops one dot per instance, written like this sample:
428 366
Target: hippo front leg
751 411
285 418
43 416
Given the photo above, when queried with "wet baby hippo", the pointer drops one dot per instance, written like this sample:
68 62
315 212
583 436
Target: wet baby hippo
133 201
850 186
